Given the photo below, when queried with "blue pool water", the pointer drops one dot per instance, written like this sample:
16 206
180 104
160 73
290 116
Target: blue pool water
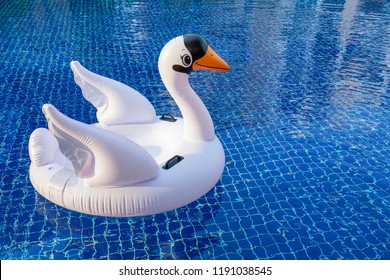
303 115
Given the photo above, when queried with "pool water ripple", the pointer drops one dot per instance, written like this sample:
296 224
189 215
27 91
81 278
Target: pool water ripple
303 116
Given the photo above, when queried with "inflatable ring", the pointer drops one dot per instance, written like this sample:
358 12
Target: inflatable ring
132 162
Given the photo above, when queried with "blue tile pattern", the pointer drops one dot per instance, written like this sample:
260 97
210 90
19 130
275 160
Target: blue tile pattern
303 116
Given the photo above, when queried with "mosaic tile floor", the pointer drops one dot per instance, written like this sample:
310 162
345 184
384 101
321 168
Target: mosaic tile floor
303 116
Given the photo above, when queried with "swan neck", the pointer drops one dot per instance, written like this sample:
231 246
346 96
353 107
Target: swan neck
198 124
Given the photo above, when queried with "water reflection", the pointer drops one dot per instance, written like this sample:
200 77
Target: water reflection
178 234
364 57
338 62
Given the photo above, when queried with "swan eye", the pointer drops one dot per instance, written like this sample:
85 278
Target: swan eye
186 59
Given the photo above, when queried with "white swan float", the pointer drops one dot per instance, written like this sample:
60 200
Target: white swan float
132 162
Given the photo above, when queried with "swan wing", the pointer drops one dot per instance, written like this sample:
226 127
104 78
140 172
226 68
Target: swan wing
116 103
100 157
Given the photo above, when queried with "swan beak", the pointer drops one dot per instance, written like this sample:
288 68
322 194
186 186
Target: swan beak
211 61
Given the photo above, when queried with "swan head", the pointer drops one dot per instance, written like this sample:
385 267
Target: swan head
190 52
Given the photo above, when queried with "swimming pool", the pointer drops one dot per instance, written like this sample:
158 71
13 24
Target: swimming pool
303 116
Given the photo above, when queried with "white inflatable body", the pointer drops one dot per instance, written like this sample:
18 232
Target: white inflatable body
131 163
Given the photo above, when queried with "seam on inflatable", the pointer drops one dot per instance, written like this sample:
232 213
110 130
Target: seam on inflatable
63 190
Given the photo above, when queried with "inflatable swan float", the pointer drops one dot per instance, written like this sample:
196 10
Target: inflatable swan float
132 162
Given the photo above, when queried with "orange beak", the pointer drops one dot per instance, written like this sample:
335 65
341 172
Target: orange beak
211 61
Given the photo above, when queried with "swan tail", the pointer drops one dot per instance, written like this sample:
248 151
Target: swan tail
116 103
100 157
43 149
